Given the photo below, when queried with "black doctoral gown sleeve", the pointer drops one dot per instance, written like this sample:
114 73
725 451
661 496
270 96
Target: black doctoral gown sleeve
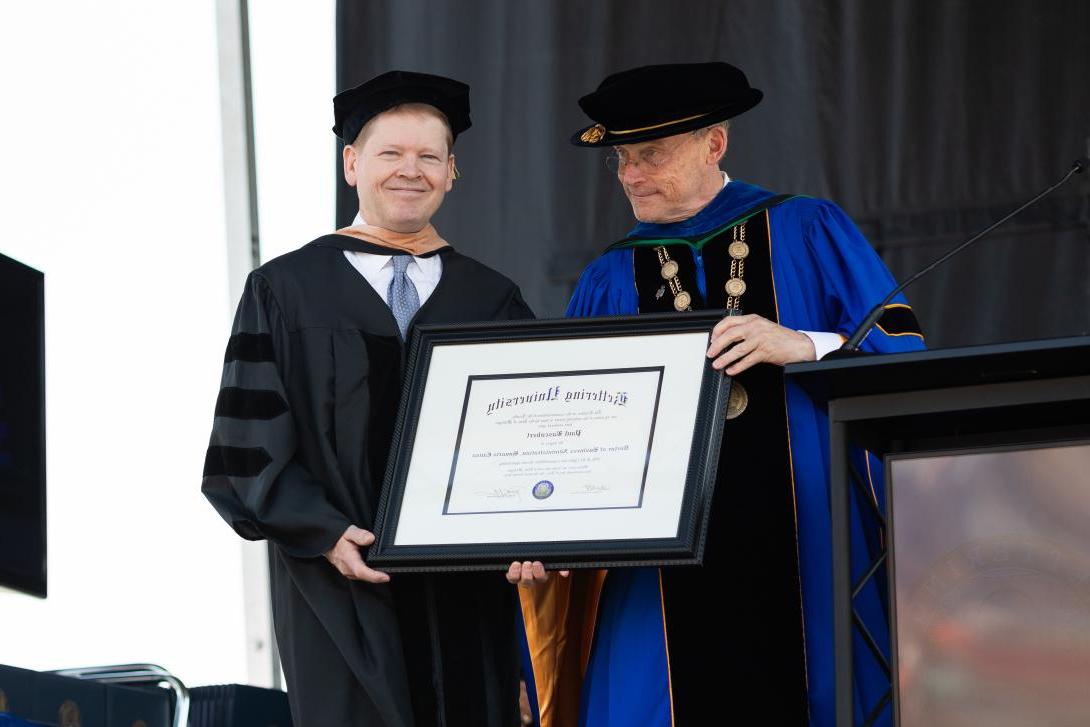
515 308
250 474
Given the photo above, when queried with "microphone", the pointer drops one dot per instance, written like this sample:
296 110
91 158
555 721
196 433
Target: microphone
851 346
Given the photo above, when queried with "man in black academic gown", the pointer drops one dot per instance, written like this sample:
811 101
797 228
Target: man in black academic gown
303 423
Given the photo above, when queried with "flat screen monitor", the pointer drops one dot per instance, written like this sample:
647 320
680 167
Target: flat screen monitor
22 428
991 583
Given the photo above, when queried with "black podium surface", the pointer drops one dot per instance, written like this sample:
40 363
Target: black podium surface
941 368
1021 394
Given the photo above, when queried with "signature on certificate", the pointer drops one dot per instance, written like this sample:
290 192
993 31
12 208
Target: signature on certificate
501 493
591 489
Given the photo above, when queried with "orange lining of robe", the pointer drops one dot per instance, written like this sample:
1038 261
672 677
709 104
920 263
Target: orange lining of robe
415 243
560 616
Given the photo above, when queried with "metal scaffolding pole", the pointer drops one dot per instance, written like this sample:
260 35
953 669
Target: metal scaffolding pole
243 255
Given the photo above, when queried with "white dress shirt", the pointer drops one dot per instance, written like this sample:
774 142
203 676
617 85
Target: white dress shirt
424 272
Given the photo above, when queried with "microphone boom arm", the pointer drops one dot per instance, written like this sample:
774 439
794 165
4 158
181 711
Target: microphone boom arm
852 344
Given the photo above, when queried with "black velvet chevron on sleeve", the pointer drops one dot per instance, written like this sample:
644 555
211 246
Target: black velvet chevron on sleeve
240 403
899 320
222 461
253 347
250 474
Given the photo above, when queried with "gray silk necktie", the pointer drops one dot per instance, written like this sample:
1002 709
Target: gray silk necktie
402 295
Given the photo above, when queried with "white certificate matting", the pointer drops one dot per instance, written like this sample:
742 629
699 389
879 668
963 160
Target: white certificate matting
554 441
589 439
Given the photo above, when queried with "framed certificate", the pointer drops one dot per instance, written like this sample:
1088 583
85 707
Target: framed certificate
580 443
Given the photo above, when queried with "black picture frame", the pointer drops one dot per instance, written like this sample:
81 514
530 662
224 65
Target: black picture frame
684 548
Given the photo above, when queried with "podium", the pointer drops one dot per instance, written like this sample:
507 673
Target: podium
974 440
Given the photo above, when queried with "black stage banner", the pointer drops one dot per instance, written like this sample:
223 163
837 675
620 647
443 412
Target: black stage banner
924 120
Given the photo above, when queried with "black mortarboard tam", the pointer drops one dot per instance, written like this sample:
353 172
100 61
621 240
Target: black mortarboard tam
651 102
353 108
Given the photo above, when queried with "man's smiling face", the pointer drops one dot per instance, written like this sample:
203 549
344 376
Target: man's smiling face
402 167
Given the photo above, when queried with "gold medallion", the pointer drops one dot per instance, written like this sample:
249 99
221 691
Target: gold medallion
738 250
669 269
593 135
735 287
739 400
682 301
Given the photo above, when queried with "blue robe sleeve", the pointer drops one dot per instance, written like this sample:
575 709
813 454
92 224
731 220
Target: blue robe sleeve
854 280
829 279
606 288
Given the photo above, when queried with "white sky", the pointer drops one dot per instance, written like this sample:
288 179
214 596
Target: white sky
111 183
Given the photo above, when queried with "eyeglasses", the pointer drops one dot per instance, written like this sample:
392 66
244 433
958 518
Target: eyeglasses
648 158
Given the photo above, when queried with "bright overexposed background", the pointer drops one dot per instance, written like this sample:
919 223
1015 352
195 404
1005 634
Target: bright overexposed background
111 183
294 84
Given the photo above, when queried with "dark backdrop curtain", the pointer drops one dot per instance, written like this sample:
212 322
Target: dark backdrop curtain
924 120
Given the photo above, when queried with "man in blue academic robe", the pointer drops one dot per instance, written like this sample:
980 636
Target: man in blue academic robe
750 632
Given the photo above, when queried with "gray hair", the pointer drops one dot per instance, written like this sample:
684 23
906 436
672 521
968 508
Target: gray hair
724 125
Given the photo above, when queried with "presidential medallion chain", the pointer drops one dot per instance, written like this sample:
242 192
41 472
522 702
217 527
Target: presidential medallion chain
736 288
739 251
669 269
